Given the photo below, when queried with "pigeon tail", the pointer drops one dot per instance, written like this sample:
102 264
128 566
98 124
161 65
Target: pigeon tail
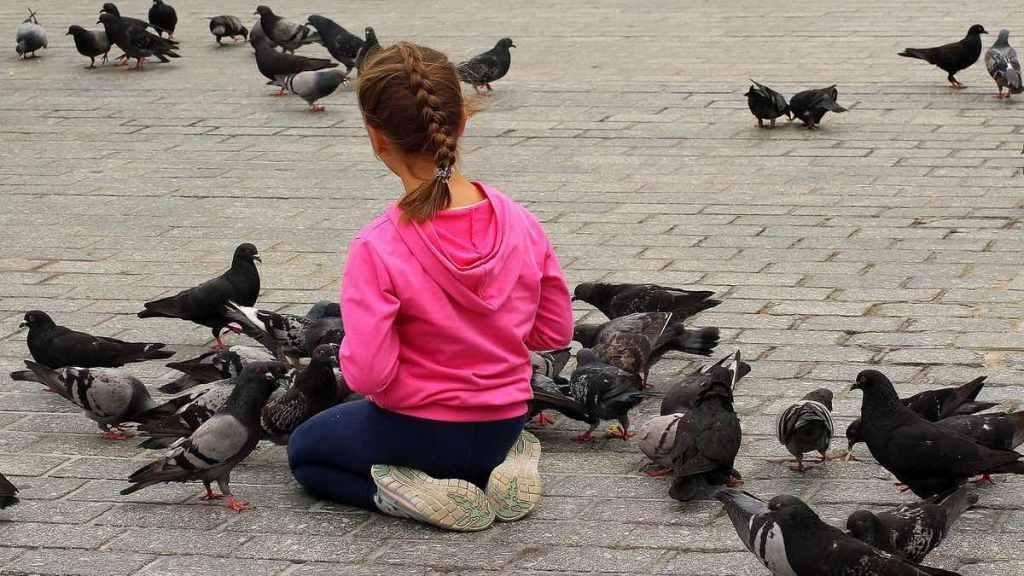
919 53
956 503
155 352
936 571
832 106
1011 468
49 378
1013 81
25 376
701 342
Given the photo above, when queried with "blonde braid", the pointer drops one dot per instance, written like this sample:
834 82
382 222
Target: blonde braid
440 135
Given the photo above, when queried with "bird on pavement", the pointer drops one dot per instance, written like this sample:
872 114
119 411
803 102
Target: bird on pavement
1003 65
163 18
343 45
605 392
276 66
288 336
285 33
615 300
811 105
90 43
30 36
488 67
136 41
682 395
314 390
230 26
56 346
952 57
807 426
212 366
766 104
314 85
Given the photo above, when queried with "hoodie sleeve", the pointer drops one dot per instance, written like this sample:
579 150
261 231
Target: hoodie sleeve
552 327
369 351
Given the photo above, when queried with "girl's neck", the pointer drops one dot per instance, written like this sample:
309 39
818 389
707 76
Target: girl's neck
463 192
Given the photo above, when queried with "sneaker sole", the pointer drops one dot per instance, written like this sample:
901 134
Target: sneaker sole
515 486
450 504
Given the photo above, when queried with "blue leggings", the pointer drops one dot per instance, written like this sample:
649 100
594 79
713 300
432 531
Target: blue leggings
331 454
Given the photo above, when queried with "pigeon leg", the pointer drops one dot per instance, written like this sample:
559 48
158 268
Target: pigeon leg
281 93
760 123
901 486
316 108
210 494
849 457
229 499
659 472
985 480
115 433
587 436
800 465
541 420
138 63
733 481
621 430
91 64
955 83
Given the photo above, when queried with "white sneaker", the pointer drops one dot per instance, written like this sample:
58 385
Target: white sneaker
515 486
447 503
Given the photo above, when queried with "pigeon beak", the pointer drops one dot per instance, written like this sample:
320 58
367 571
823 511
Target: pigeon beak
257 259
23 324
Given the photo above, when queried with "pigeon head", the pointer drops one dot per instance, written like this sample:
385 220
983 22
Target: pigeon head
1003 39
110 8
864 526
586 334
593 293
20 48
247 252
822 396
323 309
315 20
877 389
326 353
243 31
254 386
505 44
107 18
790 509
228 363
976 30
264 11
853 436
369 33
74 30
37 319
158 2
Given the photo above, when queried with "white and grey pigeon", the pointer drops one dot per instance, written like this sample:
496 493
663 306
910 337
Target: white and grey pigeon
1004 66
227 25
283 32
211 452
314 85
31 36
212 366
806 426
108 396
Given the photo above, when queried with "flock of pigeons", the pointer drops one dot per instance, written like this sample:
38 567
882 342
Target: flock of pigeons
273 38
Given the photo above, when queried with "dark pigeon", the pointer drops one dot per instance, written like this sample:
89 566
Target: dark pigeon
952 57
925 457
911 531
212 366
766 104
324 309
211 452
549 394
312 86
108 396
111 8
343 45
136 41
807 426
488 67
615 300
30 37
1003 66
56 346
163 18
682 395
230 26
370 47
999 431
90 43
204 304
257 36
605 392
283 32
810 105
314 390
276 66
287 336
8 493
790 539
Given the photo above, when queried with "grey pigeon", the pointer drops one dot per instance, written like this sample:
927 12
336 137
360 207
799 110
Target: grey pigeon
550 363
615 300
657 436
807 426
56 346
952 57
810 105
314 390
766 104
287 336
230 26
276 66
370 47
343 45
8 493
90 43
488 67
314 85
911 531
1004 66
284 32
30 37
108 396
212 451
212 366
204 304
682 395
136 41
163 18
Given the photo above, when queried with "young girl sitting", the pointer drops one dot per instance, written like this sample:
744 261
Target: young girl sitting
443 297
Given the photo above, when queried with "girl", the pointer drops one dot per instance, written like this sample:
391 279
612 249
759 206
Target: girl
444 295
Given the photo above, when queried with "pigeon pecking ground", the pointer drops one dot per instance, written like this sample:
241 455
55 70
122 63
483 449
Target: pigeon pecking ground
891 236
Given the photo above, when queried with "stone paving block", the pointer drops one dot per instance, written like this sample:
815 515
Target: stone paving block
73 562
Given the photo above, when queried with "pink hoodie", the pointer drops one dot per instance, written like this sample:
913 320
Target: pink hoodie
440 316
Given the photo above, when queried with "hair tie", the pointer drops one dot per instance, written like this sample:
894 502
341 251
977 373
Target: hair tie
444 174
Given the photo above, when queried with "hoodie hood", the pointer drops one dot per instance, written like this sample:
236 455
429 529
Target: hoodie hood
470 252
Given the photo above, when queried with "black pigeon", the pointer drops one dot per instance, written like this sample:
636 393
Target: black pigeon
925 457
8 493
790 539
136 41
230 26
314 390
287 336
343 45
278 65
370 47
485 68
605 392
810 105
807 426
257 36
766 104
90 43
952 57
204 304
108 396
324 309
911 531
682 395
163 18
211 452
707 438
999 431
111 8
212 366
283 32
615 300
56 346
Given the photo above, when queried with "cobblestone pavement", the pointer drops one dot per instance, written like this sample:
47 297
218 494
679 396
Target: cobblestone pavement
890 237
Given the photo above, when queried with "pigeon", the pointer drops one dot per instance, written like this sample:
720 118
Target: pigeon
605 392
370 47
615 300
314 390
550 363
324 309
547 369
8 493
257 36
934 405
925 457
287 336
204 304
682 396
790 539
1004 66
999 431
807 426
212 366
952 57
283 32
657 437
911 531
110 8
766 104
810 105
211 452
707 438
485 68
30 37
108 396
343 45
163 18
230 26
549 394
56 346
312 86
279 65
90 43
136 41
